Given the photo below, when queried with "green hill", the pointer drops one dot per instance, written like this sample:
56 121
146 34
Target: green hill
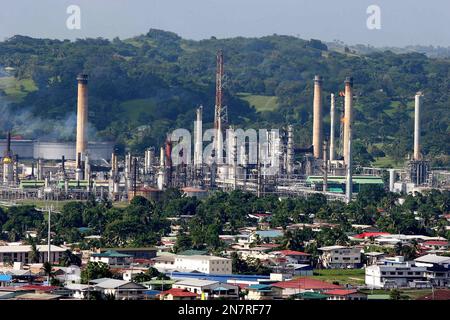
156 80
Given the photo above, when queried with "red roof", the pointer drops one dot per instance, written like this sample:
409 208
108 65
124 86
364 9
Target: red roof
306 283
38 288
341 292
369 234
293 253
436 243
176 292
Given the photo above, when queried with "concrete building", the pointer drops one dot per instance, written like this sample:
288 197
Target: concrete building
205 264
395 273
339 257
22 253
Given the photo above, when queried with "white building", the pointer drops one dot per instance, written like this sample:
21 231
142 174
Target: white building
204 264
22 253
395 273
338 257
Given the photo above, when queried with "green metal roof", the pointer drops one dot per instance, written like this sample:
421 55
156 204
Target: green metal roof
311 295
192 252
111 254
342 179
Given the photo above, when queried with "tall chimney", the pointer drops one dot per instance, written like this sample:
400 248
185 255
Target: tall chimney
417 155
348 117
82 114
290 151
332 125
317 120
198 138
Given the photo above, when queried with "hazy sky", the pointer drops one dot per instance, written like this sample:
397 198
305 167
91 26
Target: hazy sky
403 22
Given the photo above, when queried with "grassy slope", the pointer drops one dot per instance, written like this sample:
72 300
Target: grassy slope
16 89
261 103
343 276
133 109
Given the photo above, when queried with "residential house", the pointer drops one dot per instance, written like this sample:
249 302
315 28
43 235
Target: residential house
113 258
293 257
263 292
136 253
345 294
79 291
71 274
121 289
178 294
299 285
266 236
340 257
436 245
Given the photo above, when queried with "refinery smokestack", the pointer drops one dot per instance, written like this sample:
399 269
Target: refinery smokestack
82 115
290 151
317 118
332 125
417 155
348 118
198 138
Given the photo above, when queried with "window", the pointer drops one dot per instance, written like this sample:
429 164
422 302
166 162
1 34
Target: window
383 273
392 273
410 273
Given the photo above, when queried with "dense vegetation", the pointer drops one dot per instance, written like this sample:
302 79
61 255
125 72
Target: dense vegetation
144 222
144 86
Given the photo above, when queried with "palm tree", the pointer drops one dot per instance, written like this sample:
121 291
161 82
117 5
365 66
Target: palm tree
48 271
35 255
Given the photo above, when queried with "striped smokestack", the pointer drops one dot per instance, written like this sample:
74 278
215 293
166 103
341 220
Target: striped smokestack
82 114
317 118
348 117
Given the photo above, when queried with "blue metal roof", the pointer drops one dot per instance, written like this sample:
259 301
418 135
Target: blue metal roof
5 277
152 292
269 233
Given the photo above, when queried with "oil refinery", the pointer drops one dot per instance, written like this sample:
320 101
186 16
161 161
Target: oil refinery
76 170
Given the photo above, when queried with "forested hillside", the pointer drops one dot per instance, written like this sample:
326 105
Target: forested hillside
142 87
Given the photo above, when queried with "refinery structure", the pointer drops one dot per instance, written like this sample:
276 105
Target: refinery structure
58 171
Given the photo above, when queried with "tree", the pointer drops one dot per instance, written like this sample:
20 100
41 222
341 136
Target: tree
95 270
68 259
35 255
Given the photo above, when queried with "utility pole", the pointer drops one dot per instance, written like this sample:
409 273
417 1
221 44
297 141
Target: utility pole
49 251
325 166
